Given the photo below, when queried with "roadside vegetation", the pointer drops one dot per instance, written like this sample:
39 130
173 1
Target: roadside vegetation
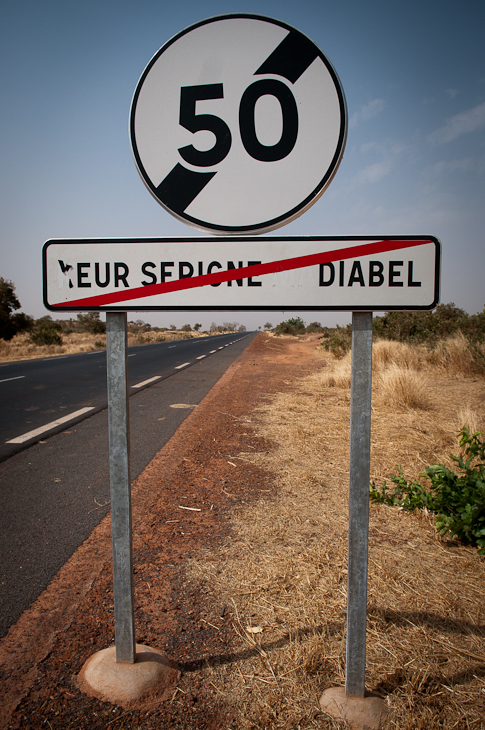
447 336
285 572
49 339
23 337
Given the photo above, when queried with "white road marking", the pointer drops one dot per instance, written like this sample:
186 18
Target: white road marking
200 357
48 426
177 367
212 352
134 355
18 377
172 347
145 382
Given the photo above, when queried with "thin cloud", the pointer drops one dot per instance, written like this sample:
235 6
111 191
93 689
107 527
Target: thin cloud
368 111
375 172
468 121
442 166
388 153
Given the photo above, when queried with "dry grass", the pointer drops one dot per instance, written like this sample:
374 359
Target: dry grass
284 570
403 387
21 348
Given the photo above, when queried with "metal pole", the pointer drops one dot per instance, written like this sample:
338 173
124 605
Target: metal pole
360 418
119 463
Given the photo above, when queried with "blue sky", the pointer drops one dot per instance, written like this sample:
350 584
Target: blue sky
414 79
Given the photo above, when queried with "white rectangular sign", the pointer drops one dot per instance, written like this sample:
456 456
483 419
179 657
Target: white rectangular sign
250 273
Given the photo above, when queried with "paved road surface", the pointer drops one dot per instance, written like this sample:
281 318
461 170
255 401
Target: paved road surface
50 492
35 394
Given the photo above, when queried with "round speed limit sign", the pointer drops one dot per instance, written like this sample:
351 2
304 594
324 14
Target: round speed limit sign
238 124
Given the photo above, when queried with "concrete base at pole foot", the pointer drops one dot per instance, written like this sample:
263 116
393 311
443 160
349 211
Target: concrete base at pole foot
360 713
152 674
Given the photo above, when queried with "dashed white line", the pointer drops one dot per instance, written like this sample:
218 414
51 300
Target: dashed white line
212 352
48 426
17 377
145 382
178 367
200 357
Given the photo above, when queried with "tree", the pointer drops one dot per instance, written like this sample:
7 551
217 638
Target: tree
230 326
11 323
186 328
268 326
197 326
91 322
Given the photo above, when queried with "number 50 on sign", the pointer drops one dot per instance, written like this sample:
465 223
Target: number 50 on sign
238 124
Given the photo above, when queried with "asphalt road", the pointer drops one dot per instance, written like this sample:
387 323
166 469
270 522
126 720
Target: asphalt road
51 491
35 394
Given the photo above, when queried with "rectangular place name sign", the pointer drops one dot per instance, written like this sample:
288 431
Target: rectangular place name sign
250 273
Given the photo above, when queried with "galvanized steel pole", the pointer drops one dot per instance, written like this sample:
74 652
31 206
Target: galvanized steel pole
360 420
119 462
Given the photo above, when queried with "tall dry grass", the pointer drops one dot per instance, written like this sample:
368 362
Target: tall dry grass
396 366
284 571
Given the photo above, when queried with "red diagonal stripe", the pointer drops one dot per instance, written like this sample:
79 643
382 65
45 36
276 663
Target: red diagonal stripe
272 267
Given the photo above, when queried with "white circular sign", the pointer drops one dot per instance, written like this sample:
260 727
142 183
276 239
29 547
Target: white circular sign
238 124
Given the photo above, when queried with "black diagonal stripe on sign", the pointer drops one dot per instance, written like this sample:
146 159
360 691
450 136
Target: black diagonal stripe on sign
181 187
291 58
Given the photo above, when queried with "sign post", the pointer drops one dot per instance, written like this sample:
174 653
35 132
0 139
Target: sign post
119 463
359 479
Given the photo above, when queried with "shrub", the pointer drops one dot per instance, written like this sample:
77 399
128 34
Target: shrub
337 340
444 322
46 332
457 499
292 326
91 322
45 336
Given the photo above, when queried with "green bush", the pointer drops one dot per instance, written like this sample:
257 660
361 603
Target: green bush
46 331
337 340
45 336
428 327
292 326
457 499
314 327
90 322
